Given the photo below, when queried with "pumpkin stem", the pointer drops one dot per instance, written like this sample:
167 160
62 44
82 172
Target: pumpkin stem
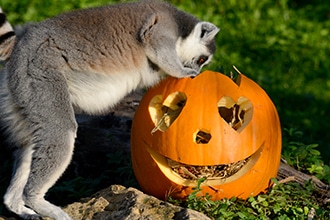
238 78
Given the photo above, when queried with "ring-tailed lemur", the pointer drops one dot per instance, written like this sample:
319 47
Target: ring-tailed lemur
85 60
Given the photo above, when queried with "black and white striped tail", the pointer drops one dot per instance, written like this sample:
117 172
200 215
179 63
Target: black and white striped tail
7 37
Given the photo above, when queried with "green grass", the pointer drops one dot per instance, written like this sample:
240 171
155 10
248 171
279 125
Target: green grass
283 201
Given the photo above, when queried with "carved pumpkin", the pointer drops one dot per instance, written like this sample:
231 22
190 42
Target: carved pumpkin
209 126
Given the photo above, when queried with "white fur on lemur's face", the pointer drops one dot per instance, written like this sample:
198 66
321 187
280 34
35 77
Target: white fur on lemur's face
196 50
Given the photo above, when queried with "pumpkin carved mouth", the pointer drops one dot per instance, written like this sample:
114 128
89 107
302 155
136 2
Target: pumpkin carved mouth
187 175
221 171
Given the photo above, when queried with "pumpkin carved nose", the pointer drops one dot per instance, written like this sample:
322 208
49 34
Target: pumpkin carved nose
202 137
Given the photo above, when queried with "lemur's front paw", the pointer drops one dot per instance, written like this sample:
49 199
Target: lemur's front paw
188 72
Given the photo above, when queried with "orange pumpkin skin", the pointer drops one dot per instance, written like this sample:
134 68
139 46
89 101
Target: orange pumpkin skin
259 138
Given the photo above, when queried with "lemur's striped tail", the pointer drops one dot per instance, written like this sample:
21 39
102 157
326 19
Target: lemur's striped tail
7 37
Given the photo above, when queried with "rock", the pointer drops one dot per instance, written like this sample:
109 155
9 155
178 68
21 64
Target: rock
118 202
87 210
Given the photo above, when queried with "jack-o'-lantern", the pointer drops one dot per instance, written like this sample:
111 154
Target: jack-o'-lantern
212 127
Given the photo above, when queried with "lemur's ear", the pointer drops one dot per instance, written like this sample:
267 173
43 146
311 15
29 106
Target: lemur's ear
148 28
206 31
7 37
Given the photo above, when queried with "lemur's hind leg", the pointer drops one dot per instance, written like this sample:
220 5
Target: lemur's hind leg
13 198
37 167
35 173
48 164
50 120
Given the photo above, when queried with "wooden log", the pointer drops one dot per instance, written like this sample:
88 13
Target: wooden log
287 173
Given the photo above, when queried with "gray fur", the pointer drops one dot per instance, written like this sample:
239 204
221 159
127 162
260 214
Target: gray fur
85 61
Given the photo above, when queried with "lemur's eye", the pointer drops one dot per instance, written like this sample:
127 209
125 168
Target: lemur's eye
201 60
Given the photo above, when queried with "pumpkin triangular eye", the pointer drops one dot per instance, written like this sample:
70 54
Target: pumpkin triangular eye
163 114
237 115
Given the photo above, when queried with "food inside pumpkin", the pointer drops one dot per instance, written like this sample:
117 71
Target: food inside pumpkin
186 175
221 171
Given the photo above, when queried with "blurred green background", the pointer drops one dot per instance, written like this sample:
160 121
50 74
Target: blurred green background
283 45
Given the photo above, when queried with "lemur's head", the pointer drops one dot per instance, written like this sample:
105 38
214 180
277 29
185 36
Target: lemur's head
197 49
